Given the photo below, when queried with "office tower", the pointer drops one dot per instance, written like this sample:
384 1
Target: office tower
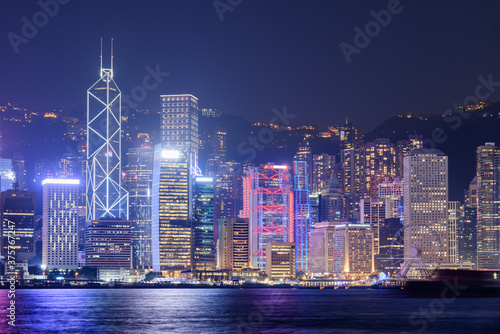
82 223
20 174
108 244
229 191
302 214
106 198
387 232
454 215
60 224
332 202
171 210
353 177
403 148
218 156
321 248
352 246
323 170
18 221
70 166
315 201
138 180
467 227
426 205
179 126
6 175
488 206
374 211
280 260
268 203
43 170
380 164
393 191
304 153
202 226
233 244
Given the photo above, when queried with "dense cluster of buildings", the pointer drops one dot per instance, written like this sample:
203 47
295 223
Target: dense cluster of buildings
376 207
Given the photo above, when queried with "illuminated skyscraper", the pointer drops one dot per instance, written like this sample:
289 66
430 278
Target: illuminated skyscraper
202 226
179 126
374 212
380 164
426 205
171 210
353 177
332 204
60 224
321 248
488 206
138 180
352 249
403 148
393 191
218 156
6 175
106 198
467 227
323 170
19 168
454 215
233 244
18 220
302 214
280 260
268 203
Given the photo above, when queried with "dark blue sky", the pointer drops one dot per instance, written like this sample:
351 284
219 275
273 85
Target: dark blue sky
265 54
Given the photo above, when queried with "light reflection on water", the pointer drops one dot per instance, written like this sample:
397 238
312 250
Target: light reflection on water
238 310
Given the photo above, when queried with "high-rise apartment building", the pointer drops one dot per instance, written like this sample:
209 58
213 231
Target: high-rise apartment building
488 206
380 164
323 170
60 224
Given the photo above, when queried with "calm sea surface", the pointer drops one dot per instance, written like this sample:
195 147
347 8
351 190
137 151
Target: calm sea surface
244 311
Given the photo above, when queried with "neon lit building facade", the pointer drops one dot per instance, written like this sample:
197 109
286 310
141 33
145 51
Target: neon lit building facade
302 214
268 203
106 198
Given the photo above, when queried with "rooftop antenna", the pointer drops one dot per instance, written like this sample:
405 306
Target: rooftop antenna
112 55
101 58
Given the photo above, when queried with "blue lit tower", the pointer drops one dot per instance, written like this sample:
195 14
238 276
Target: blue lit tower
202 225
302 214
106 198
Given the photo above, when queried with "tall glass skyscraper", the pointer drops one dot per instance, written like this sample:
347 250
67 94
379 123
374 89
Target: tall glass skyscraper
179 126
6 175
202 227
302 214
138 180
171 210
106 198
488 206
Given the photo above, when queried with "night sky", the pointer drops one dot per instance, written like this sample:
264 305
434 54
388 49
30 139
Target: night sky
264 54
